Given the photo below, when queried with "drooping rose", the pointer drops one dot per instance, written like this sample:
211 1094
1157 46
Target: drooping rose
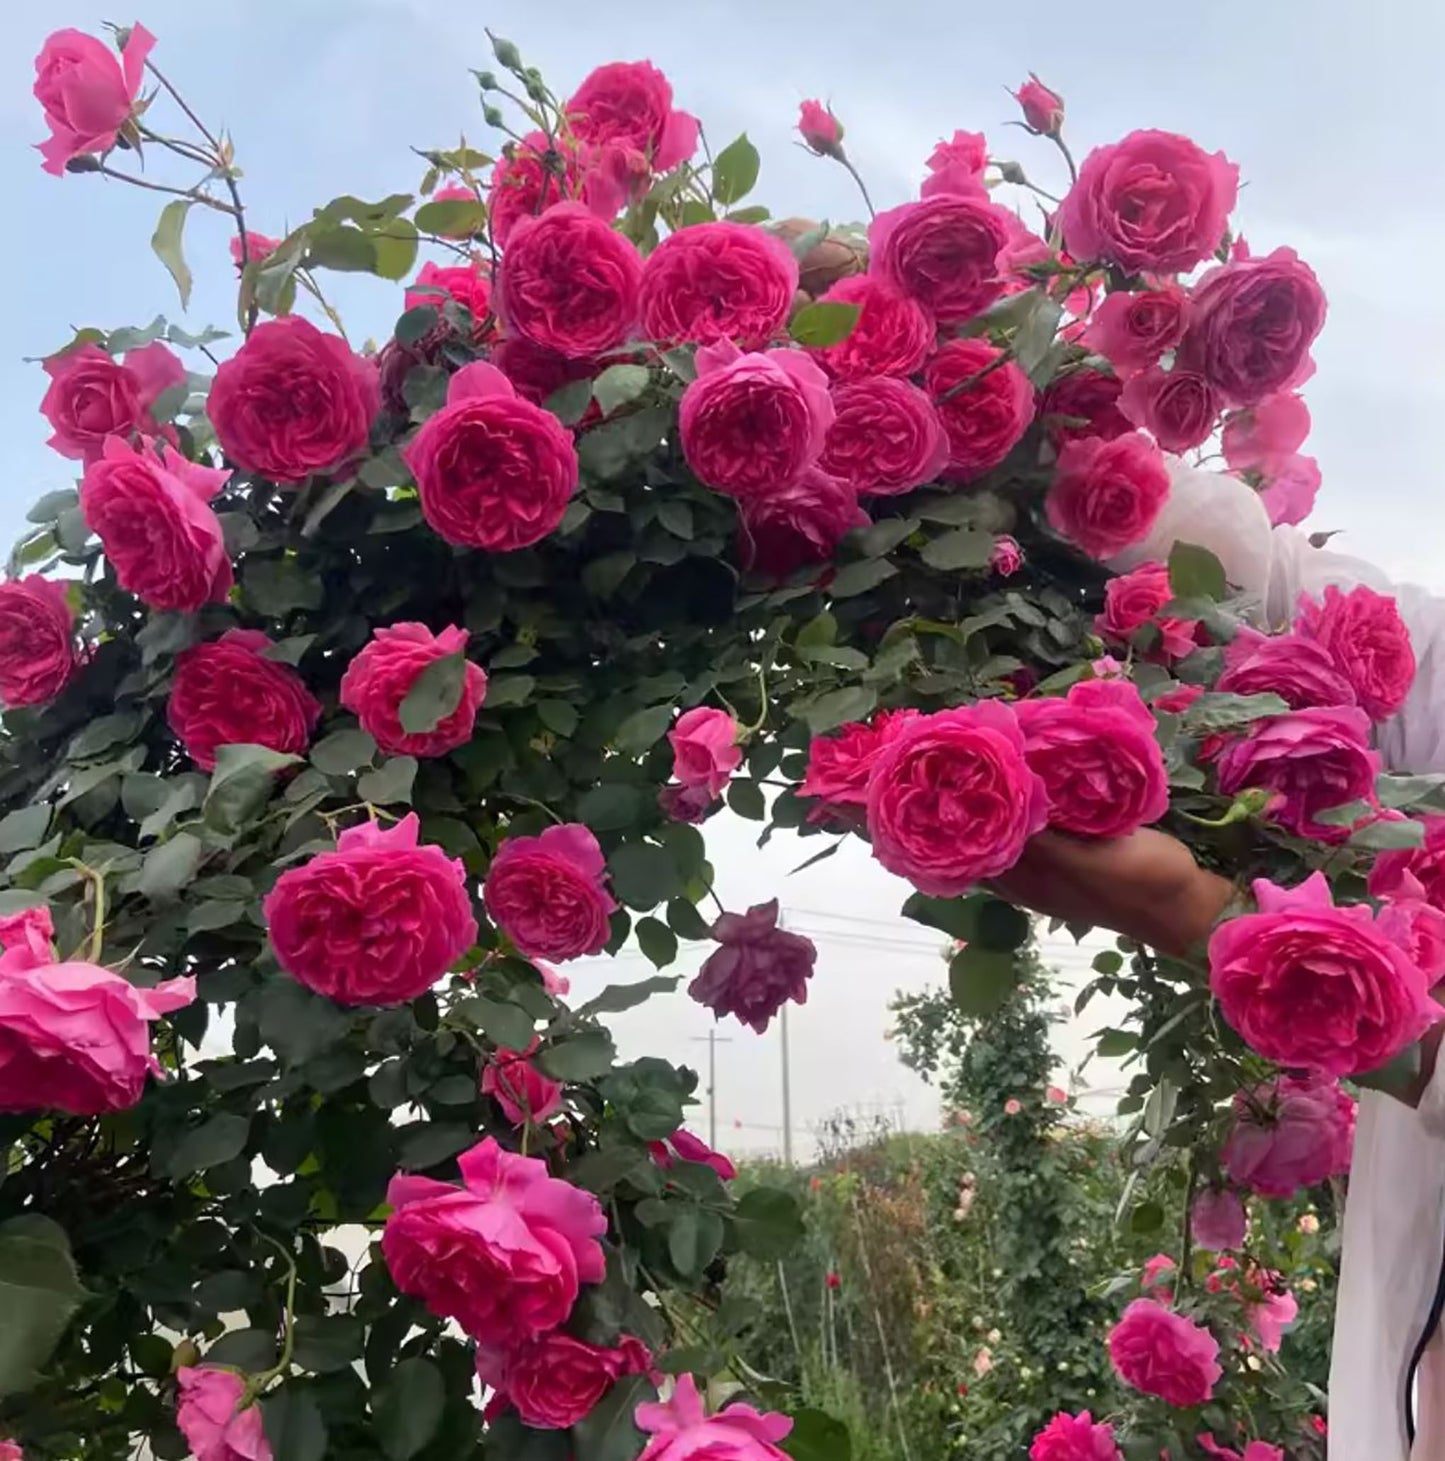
504 1254
1154 203
1085 402
1289 1133
549 895
985 408
1074 1438
705 749
942 251
92 396
1107 495
258 247
523 1092
1290 490
1317 987
629 104
227 693
1414 871
1364 635
87 93
468 285
1261 437
493 471
886 437
37 640
820 130
1132 600
681 1429
1217 1220
1301 672
758 967
1178 407
553 1381
210 1416
384 673
840 764
1132 330
1043 109
293 401
1006 558
1162 1353
686 1147
378 921
891 336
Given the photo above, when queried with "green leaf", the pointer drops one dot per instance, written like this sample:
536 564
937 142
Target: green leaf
619 385
559 716
24 828
1114 1043
685 921
957 917
434 694
768 1223
170 866
293 1424
1388 836
1001 927
747 800
619 997
343 751
693 1239
1147 1217
166 241
218 1140
1398 1076
603 576
569 403
641 731
644 875
390 783
244 1349
49 507
840 707
607 1432
39 1291
1195 572
735 172
816 1436
452 217
965 547
242 784
657 941
981 979
275 586
1035 335
1216 711
327 1342
582 1056
824 323
504 690
609 807
507 1025
298 1024
407 1409
858 578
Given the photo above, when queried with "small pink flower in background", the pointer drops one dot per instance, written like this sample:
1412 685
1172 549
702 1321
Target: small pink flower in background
893 334
1217 1220
10 1451
1260 438
1404 872
1007 557
1074 1438
821 131
208 1416
37 640
1162 1353
686 1147
1013 1106
469 285
521 1090
681 1428
800 525
1056 1096
1085 402
1157 1271
1254 1451
690 804
834 1279
87 92
555 984
1290 1133
758 967
1365 636
705 749
1309 1224
549 893
1131 331
1106 667
1043 109
1419 929
1289 492
92 396
258 247
983 1361
957 165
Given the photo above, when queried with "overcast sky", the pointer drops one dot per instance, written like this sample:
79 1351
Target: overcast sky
1330 108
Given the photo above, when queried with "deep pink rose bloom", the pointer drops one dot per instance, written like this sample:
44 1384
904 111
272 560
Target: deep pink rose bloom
1007 557
820 130
151 510
1419 928
87 92
1301 672
1290 490
758 968
208 1417
1316 987
1254 1451
524 182
718 281
493 471
753 423
840 764
1074 1438
685 1147
519 1088
799 525
1365 636
1179 699
227 693
467 284
554 1380
1131 331
681 1430
1085 402
1252 326
629 104
1217 1220
537 374
37 640
942 251
952 799
378 921
1162 1353
549 894
258 247
1409 872
293 401
886 437
504 1254
690 804
1132 600
1289 1133
1154 203
985 420
1095 751
1043 109
10 1451
384 673
1262 437
73 1037
1179 407
965 151
1107 494
705 749
92 396
892 335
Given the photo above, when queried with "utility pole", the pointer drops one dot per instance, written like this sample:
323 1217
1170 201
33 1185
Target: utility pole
713 1041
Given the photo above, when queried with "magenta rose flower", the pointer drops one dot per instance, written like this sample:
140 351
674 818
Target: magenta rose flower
211 1418
1414 871
1159 1352
1419 928
1074 1438
293 401
1316 987
553 1381
37 640
492 471
821 131
1290 490
385 672
1301 672
537 374
1107 495
1252 326
151 510
629 104
966 152
758 967
683 1146
549 894
1006 558
840 764
886 437
1043 109
1132 330
756 422
798 525
92 396
718 281
1178 407
705 749
73 1037
378 921
1363 633
536 172
87 93
1217 1220
1152 203
258 247
505 1254
1096 754
1262 437
943 252
1289 1133
522 1091
465 284
952 798
1132 600
1085 402
985 419
1179 699
681 1430
892 335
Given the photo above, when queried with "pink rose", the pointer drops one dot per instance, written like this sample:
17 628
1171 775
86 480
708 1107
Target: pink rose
151 510
820 130
466 284
549 895
753 423
705 749
1043 110
504 1254
1414 871
681 1430
1132 600
1085 402
1298 670
1074 1438
227 693
553 1381
952 798
378 921
293 402
1179 699
892 335
1290 490
73 1037
87 94
92 396
628 104
537 374
690 804
10 1451
37 640
886 437
957 166
1178 407
258 247
1153 203
1363 633
1419 928
1012 1106
1217 1220
718 281
519 1088
758 967
1289 1133
1107 495
535 173
1271 1317
1252 326
1254 1451
1162 1353
1131 331
1313 986
1095 752
492 471
210 1418
943 252
1006 558
840 764
385 672
986 419
800 525
686 1147
1259 438
1156 1271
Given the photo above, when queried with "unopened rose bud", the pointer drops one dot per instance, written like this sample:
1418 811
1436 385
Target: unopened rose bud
1043 109
506 53
122 37
1011 172
492 116
487 80
821 131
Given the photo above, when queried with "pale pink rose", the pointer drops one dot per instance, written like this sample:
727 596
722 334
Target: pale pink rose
1012 1106
208 1414
797 526
87 93
839 764
1271 1317
1043 109
1412 872
1108 668
1301 672
681 1429
554 1381
1157 1271
1290 490
757 969
1217 1220
258 247
1107 495
37 640
1368 641
1007 557
686 1147
1260 438
820 130
983 1361
1056 1096
1162 1353
549 894
1134 599
705 749
1131 331
1289 1133
92 396
519 1087
628 104
892 336
1074 1438
1177 407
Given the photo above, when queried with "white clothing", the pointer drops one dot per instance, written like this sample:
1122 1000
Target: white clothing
1394 1230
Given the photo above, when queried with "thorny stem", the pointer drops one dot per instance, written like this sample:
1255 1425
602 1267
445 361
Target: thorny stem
1000 360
